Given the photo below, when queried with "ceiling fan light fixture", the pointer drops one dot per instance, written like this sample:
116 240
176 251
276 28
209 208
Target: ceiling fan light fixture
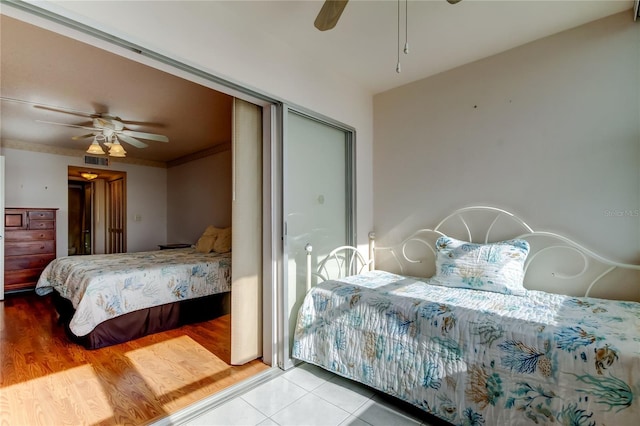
116 150
89 175
95 147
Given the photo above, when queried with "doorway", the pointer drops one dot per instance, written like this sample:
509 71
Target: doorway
97 211
80 214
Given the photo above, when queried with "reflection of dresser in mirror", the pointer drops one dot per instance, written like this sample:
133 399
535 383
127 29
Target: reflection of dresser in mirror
30 244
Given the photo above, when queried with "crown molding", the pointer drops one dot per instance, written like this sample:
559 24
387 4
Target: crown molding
216 149
56 150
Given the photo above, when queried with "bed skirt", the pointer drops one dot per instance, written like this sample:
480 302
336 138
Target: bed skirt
145 321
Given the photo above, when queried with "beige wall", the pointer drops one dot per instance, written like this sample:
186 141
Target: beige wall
37 179
174 205
549 130
198 195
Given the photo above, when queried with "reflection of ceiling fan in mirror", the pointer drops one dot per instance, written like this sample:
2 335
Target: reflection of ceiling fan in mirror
332 9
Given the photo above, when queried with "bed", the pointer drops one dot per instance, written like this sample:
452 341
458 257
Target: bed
474 343
108 299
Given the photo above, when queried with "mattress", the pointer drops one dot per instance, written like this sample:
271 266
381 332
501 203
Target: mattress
102 287
476 357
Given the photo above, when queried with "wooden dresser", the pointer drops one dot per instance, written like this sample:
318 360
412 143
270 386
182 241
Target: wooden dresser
29 246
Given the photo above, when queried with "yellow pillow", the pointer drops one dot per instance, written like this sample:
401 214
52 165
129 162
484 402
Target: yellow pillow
205 243
211 230
223 242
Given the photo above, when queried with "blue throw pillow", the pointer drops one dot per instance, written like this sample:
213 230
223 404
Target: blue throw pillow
496 267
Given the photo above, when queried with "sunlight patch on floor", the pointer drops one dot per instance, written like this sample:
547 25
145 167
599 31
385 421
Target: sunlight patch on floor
43 401
175 368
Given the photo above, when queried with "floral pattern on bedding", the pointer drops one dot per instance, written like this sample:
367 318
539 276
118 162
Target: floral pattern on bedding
478 358
102 287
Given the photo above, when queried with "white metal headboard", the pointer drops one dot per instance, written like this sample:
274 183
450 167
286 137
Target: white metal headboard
555 263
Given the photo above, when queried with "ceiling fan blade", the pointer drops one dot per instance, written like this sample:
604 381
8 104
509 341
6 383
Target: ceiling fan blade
131 141
453 1
108 123
77 138
106 116
143 123
142 135
49 107
329 14
64 110
70 125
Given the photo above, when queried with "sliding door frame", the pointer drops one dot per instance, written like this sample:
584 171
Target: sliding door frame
49 20
274 128
284 359
2 227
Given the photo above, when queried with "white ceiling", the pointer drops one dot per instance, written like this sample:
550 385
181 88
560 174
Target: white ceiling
441 36
42 67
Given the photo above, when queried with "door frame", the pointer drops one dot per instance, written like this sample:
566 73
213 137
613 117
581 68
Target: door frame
2 227
100 201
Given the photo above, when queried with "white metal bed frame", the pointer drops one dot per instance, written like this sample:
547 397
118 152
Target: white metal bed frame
555 262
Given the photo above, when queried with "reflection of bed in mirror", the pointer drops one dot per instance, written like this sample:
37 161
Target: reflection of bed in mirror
108 299
503 331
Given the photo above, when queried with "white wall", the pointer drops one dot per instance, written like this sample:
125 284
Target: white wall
549 130
35 179
218 44
198 195
146 198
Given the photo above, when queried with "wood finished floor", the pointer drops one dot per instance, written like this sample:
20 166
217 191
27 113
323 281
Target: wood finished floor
47 380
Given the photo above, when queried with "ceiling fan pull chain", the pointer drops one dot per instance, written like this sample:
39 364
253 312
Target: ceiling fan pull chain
406 27
398 68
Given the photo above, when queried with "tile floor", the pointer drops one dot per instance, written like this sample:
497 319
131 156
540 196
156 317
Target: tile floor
308 395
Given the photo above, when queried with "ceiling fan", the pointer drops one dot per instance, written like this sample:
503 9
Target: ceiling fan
332 9
110 126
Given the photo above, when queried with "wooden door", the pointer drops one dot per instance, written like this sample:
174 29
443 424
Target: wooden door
80 212
116 222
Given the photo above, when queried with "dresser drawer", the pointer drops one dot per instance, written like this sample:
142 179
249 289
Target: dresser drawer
41 215
30 235
24 278
22 248
41 224
40 261
15 219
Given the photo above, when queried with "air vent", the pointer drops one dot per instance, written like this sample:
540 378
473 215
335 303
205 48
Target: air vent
96 161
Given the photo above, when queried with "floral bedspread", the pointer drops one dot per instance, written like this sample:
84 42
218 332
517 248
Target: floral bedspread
106 286
478 358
